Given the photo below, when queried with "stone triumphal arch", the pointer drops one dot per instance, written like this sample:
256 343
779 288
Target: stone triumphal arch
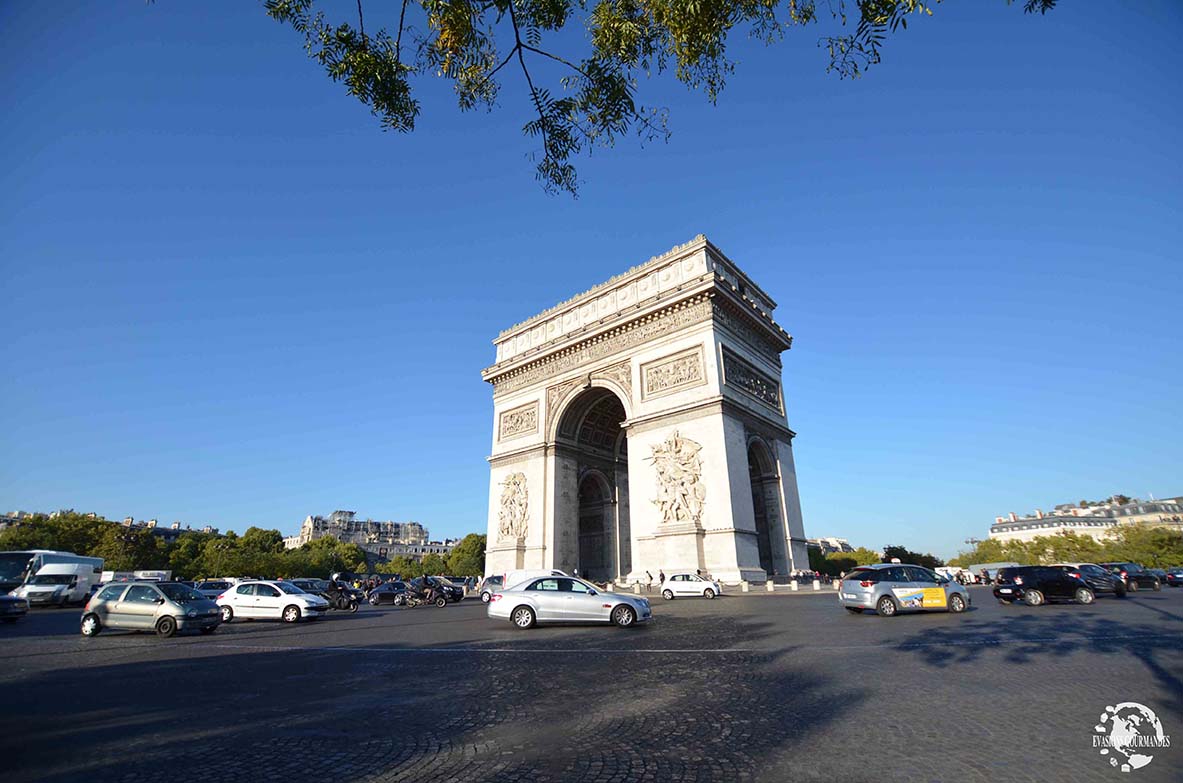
641 426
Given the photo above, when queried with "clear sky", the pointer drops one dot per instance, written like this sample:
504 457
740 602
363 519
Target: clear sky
233 300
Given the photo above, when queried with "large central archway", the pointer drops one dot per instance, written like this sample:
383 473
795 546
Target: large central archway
590 435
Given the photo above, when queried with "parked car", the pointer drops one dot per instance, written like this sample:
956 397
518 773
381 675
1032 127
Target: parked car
313 586
1175 577
1135 576
565 599
388 593
163 607
689 585
270 600
12 608
212 588
1100 580
890 588
1036 585
490 585
1160 573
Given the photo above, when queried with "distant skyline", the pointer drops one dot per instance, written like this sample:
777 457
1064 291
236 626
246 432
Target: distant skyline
233 300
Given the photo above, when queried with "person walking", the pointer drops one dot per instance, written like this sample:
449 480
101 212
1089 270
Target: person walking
648 582
660 577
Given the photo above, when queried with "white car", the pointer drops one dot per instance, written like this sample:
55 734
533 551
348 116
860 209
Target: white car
267 600
565 599
689 585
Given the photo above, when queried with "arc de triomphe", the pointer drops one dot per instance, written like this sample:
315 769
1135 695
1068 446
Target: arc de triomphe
641 426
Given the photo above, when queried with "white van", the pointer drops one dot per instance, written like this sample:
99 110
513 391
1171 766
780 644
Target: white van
495 582
58 584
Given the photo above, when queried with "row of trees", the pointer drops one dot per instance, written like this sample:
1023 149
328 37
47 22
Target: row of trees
837 563
1155 547
193 555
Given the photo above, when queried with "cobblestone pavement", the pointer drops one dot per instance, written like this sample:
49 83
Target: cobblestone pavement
745 688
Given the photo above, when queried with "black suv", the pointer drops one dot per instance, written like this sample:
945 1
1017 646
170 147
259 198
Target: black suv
1036 585
1099 579
1134 576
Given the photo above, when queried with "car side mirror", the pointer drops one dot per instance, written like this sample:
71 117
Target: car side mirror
592 592
158 601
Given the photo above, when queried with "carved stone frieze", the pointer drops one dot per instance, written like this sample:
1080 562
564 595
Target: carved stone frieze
555 396
512 521
727 317
739 374
651 327
680 491
621 374
519 421
672 373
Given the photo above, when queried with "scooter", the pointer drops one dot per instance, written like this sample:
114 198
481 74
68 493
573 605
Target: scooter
416 599
343 603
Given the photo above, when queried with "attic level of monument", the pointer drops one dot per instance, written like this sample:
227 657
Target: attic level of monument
694 279
642 426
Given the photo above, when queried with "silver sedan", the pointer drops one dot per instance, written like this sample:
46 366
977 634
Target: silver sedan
565 599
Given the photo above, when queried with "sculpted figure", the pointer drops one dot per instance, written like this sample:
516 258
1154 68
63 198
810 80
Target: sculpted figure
514 508
680 491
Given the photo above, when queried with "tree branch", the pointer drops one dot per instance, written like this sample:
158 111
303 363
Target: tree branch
361 22
398 40
513 18
567 63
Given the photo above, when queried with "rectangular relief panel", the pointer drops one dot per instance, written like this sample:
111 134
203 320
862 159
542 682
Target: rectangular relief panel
517 422
739 373
670 374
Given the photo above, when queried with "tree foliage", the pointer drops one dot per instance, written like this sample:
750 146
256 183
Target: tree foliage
906 555
577 100
1155 547
468 557
257 552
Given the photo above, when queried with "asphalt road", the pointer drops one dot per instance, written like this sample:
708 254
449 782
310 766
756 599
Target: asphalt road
744 688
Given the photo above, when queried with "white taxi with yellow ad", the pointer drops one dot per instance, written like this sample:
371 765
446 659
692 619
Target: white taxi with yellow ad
891 588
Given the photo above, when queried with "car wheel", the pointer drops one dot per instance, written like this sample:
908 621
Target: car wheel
374 600
1084 595
441 602
291 614
956 603
207 631
399 600
485 597
853 609
1157 585
886 606
523 617
1119 591
227 614
624 616
667 595
167 627
1033 598
708 593
1132 586
91 625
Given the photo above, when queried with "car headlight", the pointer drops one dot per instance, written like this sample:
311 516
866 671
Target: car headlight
191 613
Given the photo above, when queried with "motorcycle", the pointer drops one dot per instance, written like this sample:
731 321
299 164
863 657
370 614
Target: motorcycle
343 603
417 599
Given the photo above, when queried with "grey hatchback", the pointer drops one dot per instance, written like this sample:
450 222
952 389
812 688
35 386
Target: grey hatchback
889 588
163 607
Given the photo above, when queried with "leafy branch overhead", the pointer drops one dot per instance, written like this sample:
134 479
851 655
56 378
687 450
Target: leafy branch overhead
575 101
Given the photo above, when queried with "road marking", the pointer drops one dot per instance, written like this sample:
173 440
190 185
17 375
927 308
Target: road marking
692 650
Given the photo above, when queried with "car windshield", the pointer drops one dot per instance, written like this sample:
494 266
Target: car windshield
182 594
13 565
289 588
51 579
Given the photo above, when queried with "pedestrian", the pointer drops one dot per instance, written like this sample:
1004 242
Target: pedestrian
698 572
660 576
648 582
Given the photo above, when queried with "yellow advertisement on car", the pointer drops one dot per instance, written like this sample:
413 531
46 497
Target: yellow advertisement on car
920 597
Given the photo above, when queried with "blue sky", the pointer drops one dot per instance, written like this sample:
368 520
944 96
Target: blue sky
232 299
